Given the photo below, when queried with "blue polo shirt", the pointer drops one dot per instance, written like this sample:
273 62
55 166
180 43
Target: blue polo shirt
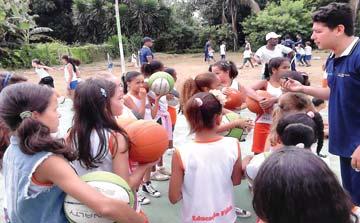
145 52
344 102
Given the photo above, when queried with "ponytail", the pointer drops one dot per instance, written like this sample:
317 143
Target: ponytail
319 131
267 72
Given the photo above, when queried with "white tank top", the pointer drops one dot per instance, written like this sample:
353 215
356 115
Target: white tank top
275 92
66 73
137 102
41 72
234 85
106 164
207 191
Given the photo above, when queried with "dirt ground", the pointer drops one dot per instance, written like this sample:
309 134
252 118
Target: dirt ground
186 65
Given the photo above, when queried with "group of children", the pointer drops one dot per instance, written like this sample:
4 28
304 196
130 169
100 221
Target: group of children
289 182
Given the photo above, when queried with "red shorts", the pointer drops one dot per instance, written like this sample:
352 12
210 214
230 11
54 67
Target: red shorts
173 115
261 132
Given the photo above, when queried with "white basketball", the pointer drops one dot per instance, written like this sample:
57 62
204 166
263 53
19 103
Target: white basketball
76 212
160 86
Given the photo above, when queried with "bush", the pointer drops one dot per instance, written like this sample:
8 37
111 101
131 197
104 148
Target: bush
130 44
290 17
50 54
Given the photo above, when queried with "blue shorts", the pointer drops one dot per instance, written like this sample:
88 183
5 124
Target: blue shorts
307 57
73 85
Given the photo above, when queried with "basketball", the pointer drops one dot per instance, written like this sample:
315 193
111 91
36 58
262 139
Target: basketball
237 133
109 184
254 105
148 141
235 99
161 83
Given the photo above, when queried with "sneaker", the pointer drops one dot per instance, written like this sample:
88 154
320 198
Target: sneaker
164 171
241 213
157 176
148 188
142 199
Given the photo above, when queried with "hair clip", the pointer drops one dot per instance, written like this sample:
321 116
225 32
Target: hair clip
103 92
311 114
300 145
199 102
25 114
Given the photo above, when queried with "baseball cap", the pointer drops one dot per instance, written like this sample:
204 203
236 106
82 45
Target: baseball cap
272 35
147 39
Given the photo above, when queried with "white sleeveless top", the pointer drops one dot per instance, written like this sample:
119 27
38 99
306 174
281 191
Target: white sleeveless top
137 102
275 92
207 191
41 72
66 73
234 85
106 164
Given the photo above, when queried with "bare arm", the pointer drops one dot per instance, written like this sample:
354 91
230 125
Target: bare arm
176 179
237 170
128 102
57 170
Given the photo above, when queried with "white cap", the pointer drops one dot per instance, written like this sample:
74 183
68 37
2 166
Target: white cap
272 35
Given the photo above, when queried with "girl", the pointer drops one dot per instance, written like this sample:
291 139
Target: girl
226 71
137 100
299 129
36 166
271 84
152 67
191 169
42 71
310 191
206 82
100 143
70 74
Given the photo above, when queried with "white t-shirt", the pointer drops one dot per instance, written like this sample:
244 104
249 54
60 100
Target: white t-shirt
247 54
41 72
308 50
222 49
265 54
300 50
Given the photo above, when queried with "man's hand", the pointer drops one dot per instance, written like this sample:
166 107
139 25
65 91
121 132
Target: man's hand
355 159
291 85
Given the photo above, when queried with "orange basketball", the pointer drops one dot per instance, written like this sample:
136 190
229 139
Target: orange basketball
235 99
122 122
148 141
254 105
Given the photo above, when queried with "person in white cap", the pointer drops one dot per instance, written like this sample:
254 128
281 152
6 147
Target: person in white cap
271 50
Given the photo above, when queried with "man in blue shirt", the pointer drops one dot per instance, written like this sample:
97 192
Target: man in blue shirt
333 29
146 55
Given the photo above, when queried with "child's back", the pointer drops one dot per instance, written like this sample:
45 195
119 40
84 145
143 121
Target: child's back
208 188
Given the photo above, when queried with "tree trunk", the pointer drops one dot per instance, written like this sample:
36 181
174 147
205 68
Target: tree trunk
355 6
233 13
223 16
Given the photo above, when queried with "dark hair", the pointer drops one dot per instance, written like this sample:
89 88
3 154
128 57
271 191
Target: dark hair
227 66
317 102
294 185
302 77
170 71
8 78
93 113
196 85
37 61
335 14
74 62
301 128
149 68
34 136
128 77
273 63
200 111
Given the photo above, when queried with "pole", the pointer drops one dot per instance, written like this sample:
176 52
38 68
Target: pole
120 37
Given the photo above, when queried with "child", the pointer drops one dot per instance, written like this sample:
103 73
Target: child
247 57
152 67
134 60
223 51
191 169
320 105
227 72
137 100
41 71
293 185
211 54
70 74
173 101
36 166
272 84
308 53
300 54
291 130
